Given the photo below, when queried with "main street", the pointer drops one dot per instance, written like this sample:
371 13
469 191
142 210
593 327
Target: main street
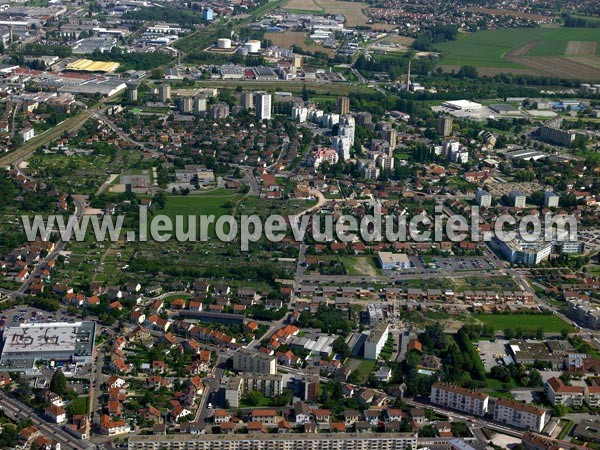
19 410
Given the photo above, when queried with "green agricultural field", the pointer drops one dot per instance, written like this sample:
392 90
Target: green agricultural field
550 323
554 51
489 48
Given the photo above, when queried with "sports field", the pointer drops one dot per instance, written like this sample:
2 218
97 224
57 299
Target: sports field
550 323
550 51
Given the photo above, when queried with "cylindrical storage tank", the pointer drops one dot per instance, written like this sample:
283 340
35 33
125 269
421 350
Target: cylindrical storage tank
223 43
592 90
597 86
253 46
243 51
584 87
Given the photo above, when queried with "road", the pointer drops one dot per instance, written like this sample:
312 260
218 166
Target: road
474 421
96 380
58 247
211 393
19 410
251 182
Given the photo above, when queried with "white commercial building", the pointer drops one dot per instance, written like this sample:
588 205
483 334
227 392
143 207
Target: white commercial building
462 105
391 261
523 252
26 343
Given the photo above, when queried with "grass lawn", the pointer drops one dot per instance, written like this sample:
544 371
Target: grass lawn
501 394
549 322
497 385
364 369
361 265
567 427
211 203
79 405
388 348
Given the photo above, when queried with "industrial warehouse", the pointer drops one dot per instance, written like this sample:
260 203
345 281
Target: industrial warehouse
26 343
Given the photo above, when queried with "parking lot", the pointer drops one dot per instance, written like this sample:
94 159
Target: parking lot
451 264
27 314
492 352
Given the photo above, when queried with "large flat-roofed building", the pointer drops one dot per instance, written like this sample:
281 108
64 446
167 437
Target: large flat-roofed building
552 353
245 360
520 415
376 340
460 399
523 252
391 261
588 430
26 343
462 105
291 441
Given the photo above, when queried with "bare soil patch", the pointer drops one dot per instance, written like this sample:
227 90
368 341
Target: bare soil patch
580 48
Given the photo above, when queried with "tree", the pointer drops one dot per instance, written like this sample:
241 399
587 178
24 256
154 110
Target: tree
535 379
340 347
254 398
58 383
560 410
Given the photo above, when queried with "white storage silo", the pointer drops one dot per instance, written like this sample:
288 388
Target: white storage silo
224 43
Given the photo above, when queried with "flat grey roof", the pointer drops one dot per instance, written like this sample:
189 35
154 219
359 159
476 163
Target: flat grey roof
56 337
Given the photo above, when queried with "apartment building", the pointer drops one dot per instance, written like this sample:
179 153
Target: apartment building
237 387
376 340
592 396
245 360
558 393
459 398
519 415
292 441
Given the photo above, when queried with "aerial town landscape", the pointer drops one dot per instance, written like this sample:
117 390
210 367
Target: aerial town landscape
299 224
